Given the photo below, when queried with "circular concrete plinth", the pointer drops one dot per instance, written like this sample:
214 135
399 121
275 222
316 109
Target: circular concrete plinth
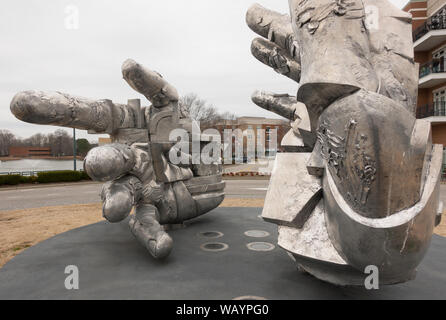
113 265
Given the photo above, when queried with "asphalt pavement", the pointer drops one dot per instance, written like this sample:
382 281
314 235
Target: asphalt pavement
66 194
229 253
84 193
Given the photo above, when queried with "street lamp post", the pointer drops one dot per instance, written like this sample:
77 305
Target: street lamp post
74 149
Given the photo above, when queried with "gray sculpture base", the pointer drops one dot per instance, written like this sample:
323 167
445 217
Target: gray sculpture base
113 265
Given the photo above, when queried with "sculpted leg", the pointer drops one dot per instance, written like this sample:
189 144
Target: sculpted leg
146 228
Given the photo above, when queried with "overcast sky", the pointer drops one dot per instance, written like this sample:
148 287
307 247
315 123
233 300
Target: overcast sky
200 46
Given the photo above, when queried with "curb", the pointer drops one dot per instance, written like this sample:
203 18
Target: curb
246 176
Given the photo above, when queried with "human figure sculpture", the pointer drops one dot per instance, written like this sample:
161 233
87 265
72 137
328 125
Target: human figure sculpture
359 183
136 167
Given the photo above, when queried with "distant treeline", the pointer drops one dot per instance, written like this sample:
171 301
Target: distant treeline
60 142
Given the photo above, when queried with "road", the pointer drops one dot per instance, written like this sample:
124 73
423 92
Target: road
56 195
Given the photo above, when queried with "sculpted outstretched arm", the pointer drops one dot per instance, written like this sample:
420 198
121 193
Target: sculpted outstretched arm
60 109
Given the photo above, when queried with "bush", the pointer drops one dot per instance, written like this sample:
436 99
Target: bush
25 179
85 176
12 179
59 176
45 177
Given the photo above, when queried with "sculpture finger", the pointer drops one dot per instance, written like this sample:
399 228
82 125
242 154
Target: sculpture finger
119 197
60 109
282 104
286 106
276 58
109 162
149 83
275 27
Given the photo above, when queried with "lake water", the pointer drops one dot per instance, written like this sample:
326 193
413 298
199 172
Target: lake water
38 165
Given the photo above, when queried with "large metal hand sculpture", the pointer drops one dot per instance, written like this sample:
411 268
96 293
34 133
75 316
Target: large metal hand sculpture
359 186
136 166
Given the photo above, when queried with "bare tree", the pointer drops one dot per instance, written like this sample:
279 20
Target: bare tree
200 110
60 142
36 140
228 116
7 139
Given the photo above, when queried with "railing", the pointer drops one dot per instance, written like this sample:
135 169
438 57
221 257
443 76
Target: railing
436 22
28 173
434 66
436 109
443 173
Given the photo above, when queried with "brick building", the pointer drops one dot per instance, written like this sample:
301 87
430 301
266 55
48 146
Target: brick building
429 35
25 152
272 128
266 133
103 141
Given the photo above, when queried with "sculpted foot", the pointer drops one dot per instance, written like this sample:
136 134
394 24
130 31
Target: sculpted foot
146 228
161 246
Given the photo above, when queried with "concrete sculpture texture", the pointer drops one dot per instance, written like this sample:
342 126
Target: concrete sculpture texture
136 167
359 183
